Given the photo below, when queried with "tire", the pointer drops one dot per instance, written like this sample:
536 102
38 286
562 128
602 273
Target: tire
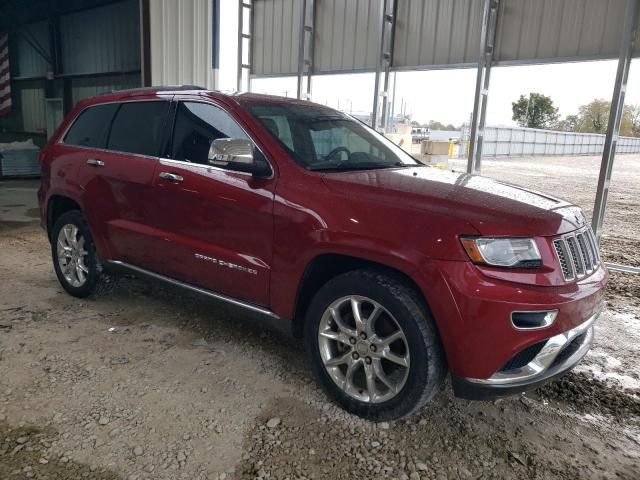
85 282
418 368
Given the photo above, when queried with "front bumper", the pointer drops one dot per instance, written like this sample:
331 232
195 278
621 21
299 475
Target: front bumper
556 356
473 313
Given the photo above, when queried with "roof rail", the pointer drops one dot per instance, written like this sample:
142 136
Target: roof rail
166 88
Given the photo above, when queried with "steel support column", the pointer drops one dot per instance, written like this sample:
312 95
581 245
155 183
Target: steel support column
487 41
305 47
615 115
242 36
383 67
145 44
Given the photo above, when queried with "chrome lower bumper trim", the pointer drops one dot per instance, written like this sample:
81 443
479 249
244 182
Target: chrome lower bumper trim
544 360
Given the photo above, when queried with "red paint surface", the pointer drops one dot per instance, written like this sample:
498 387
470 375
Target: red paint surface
409 219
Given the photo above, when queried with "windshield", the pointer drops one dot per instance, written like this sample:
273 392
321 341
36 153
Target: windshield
319 138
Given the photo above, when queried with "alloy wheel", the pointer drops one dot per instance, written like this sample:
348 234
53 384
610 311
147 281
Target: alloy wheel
72 255
363 348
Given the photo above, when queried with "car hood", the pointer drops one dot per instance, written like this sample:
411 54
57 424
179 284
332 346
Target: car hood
491 206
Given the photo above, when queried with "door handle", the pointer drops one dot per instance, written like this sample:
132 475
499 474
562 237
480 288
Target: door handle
171 176
95 162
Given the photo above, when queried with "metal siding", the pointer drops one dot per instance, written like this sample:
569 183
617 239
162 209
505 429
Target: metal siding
90 86
181 42
554 30
347 35
31 105
436 33
20 163
275 37
105 39
25 60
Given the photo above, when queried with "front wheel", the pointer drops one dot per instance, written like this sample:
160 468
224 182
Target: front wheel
373 345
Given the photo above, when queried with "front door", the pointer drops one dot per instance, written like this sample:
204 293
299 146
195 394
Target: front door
217 224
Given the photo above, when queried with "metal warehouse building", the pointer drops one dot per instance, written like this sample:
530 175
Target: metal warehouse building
61 51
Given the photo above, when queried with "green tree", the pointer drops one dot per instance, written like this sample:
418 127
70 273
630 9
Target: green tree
594 116
535 111
569 124
630 125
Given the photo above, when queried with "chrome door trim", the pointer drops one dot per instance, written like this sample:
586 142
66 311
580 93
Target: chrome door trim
201 166
193 288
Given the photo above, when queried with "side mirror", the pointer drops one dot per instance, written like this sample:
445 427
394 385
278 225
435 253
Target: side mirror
237 154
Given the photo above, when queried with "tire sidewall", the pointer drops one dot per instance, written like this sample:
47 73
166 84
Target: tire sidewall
426 363
74 217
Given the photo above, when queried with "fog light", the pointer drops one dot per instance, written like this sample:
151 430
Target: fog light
533 320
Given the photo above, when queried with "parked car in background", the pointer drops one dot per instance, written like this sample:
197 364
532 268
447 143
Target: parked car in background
394 274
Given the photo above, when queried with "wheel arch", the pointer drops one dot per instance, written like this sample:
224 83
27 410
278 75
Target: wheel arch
326 266
56 206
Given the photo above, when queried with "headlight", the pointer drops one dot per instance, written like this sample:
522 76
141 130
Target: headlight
503 252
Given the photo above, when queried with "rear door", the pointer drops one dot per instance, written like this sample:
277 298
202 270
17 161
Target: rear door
117 180
217 224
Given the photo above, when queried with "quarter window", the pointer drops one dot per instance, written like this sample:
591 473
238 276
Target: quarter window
92 126
197 125
138 127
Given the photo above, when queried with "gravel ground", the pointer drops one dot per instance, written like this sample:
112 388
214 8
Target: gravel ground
149 382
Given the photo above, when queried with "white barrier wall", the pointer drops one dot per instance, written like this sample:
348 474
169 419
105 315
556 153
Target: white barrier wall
522 142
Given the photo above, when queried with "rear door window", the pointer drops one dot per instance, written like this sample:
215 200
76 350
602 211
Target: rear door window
138 127
92 126
197 126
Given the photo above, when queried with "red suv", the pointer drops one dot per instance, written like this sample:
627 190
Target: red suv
395 274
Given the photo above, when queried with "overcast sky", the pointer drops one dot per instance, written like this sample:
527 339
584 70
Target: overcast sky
444 95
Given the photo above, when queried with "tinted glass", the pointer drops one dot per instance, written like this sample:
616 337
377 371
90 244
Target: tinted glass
92 126
197 125
138 127
323 139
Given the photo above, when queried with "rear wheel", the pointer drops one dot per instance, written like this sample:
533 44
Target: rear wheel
373 345
74 254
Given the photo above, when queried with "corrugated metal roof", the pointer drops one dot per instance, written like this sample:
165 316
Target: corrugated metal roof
347 35
552 30
436 33
105 39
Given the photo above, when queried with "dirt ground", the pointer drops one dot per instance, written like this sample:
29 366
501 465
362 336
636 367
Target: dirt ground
149 382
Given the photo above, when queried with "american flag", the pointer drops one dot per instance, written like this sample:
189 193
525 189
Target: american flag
5 85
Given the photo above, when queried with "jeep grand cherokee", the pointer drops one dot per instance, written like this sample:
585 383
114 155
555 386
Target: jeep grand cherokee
394 274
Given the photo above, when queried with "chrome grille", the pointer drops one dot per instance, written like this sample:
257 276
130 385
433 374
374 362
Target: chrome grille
575 256
577 253
566 265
